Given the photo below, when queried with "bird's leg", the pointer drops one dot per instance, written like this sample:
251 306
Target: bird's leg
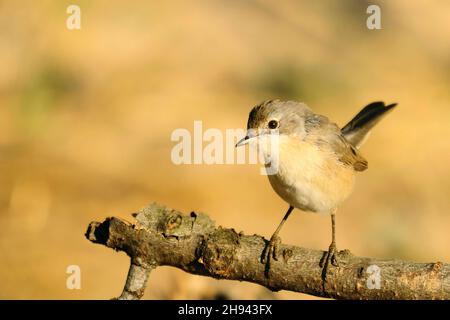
330 257
271 250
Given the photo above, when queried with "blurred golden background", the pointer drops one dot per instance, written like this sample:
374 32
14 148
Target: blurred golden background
86 117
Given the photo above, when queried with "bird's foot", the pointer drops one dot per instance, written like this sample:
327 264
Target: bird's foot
330 258
271 252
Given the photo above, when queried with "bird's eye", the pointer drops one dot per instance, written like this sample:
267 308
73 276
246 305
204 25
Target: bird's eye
273 124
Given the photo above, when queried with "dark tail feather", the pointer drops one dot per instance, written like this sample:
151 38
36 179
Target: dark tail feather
358 128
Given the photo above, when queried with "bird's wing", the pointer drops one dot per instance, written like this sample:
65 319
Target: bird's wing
358 129
327 135
348 154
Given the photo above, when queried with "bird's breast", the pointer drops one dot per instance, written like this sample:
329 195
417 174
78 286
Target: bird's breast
310 178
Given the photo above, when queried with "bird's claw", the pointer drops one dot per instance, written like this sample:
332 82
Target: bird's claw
330 257
271 252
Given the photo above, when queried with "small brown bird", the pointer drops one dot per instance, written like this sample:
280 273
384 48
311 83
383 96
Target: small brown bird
317 161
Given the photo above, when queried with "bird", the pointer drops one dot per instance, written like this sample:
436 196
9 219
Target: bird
316 160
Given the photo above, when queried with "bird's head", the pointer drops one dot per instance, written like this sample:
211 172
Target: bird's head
276 117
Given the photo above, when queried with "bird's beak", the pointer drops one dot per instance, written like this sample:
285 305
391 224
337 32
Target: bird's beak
243 141
248 137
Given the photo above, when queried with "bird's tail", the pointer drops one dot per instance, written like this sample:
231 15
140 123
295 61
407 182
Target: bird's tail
358 129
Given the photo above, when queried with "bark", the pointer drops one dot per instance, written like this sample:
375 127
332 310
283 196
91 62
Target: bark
165 237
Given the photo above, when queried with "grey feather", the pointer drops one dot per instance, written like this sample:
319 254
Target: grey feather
326 135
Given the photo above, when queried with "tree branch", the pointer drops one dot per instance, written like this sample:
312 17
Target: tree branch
165 237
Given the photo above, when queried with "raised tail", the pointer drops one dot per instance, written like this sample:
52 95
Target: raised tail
358 129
